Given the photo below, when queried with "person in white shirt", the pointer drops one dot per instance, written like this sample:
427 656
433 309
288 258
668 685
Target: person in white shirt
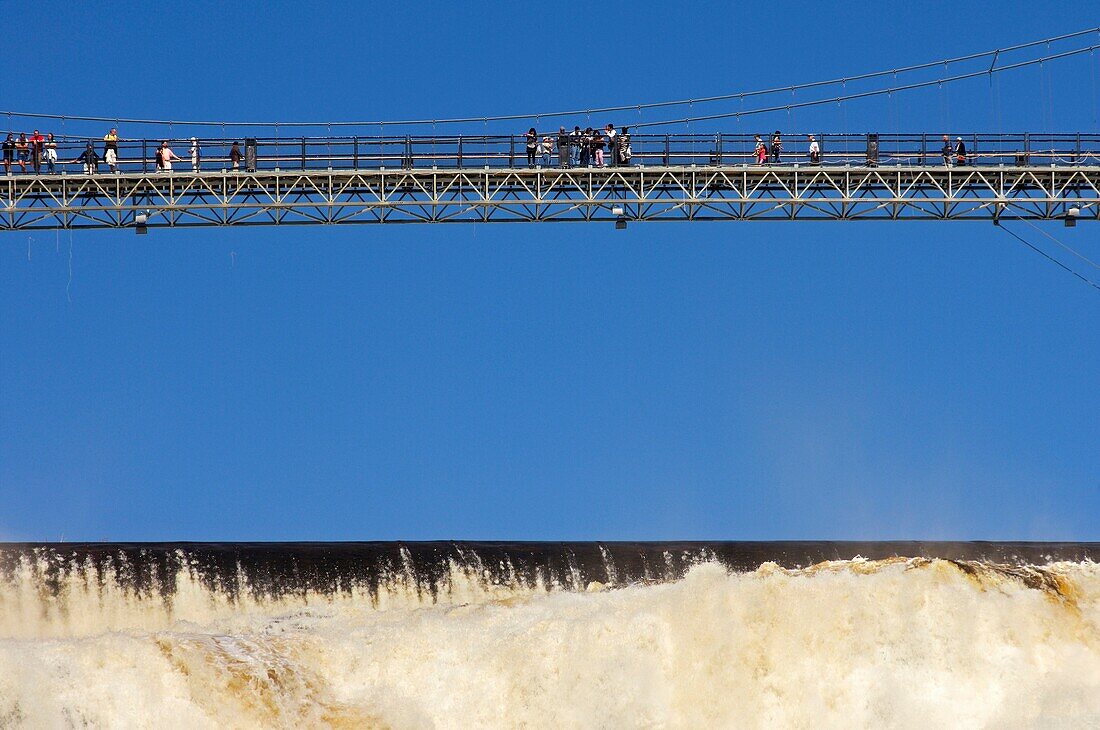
612 143
815 151
51 153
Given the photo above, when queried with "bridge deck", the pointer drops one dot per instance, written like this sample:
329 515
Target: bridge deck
495 194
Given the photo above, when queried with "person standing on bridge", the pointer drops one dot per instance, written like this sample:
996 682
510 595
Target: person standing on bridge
815 151
547 150
235 156
777 147
563 148
946 151
110 149
598 143
761 150
90 160
167 156
960 152
532 146
50 147
586 147
625 153
196 154
612 144
37 141
576 141
9 153
23 151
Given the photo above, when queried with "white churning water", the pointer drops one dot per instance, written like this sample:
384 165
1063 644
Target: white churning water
894 643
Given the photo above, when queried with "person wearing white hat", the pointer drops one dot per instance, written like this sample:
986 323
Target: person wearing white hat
195 155
960 152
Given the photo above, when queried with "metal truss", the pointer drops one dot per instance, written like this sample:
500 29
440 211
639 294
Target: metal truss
495 195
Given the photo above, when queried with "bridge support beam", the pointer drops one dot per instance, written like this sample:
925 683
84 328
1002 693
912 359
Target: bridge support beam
223 198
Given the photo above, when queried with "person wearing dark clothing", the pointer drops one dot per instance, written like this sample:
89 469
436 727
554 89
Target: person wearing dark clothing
563 148
9 153
777 147
576 141
946 151
37 146
960 152
532 146
235 156
90 160
586 147
625 153
23 150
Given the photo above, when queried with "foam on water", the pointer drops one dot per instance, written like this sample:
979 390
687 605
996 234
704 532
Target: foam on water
852 643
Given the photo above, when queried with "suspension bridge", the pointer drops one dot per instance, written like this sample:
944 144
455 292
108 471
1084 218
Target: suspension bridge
484 180
411 172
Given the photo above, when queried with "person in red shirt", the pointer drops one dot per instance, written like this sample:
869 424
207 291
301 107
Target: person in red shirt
38 143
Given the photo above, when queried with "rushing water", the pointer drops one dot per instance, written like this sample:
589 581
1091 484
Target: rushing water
563 635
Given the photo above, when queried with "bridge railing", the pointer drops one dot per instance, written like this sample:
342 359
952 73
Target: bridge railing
479 152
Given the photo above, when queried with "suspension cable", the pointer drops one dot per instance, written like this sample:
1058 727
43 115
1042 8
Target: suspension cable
876 92
1073 251
1050 258
604 110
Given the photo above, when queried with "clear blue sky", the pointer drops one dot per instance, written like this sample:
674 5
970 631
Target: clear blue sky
737 381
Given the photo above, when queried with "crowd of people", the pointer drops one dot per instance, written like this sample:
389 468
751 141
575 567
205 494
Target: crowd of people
37 151
580 148
587 148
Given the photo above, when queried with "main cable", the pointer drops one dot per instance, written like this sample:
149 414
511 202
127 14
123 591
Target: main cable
875 92
600 110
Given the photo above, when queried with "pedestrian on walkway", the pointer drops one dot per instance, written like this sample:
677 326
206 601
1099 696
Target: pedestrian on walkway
90 160
960 152
50 147
815 151
110 149
777 147
167 156
37 141
612 144
547 150
22 151
598 144
761 150
946 151
9 153
532 146
625 152
235 156
563 148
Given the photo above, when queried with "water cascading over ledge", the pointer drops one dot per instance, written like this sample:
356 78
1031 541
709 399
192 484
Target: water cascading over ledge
487 635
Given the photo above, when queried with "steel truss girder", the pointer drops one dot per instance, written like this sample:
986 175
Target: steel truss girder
528 195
